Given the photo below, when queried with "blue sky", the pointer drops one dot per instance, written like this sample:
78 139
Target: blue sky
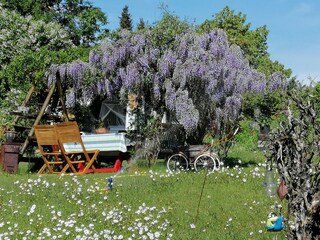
294 25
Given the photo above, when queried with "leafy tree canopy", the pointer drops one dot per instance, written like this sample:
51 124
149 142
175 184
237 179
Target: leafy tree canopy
20 35
36 64
27 48
79 18
166 30
37 9
252 42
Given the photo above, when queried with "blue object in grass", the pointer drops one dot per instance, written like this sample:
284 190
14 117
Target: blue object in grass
275 224
110 180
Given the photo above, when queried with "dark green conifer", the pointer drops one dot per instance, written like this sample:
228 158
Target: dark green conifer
125 19
141 25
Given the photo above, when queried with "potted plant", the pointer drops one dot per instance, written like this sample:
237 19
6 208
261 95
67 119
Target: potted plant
9 133
100 127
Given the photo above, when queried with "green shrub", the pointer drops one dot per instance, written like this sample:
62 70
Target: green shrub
247 137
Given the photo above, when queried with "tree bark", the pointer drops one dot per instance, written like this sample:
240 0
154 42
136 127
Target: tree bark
294 148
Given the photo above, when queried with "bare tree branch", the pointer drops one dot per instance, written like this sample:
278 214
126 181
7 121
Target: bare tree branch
294 147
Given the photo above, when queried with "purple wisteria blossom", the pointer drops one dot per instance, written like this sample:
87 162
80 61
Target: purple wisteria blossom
186 111
200 79
274 83
70 98
95 58
156 89
170 95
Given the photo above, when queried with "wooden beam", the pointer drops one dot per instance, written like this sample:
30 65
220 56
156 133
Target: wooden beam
63 103
36 122
26 100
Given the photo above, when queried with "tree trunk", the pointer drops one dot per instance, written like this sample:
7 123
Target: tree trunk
293 147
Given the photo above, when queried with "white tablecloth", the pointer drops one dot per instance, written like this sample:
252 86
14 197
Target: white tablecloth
109 142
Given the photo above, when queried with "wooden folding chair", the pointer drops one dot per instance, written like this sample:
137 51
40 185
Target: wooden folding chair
49 149
69 133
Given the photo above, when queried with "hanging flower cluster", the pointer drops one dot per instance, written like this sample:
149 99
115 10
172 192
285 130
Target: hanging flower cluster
201 78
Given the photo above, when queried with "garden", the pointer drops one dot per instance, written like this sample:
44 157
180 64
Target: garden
143 203
215 82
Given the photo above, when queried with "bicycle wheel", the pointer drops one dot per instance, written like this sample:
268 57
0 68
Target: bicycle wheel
205 162
177 162
216 160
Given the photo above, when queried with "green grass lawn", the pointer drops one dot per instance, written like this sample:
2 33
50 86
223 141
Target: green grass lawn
145 203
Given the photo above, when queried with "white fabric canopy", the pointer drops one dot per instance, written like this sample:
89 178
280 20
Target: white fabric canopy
113 114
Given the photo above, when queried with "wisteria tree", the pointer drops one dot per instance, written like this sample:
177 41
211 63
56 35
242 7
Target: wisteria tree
199 81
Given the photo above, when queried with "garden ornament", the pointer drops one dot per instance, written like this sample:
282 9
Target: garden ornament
110 180
274 222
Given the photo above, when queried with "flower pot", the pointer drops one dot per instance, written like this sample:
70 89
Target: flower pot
10 136
101 130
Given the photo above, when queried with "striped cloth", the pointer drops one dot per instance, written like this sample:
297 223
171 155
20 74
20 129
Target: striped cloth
103 142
